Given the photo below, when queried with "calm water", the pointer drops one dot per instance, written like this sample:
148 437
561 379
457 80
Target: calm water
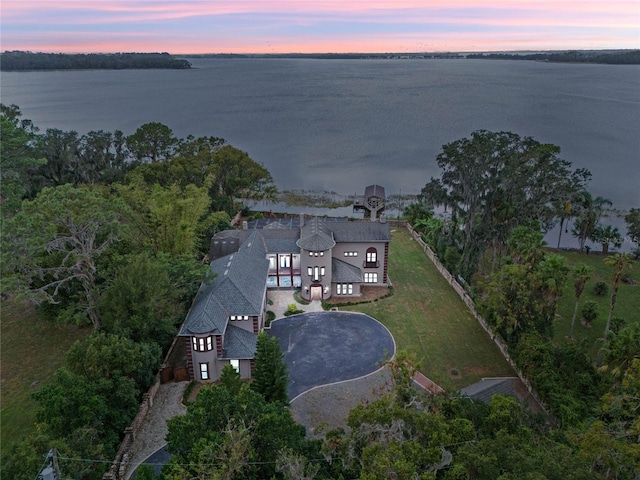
341 125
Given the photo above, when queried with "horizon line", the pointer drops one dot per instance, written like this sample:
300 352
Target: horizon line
331 53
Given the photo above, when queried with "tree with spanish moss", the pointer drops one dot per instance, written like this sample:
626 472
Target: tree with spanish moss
51 247
483 173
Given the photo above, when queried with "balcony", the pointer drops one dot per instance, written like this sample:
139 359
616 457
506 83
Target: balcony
375 264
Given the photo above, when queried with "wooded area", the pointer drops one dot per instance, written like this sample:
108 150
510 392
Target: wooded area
111 231
25 61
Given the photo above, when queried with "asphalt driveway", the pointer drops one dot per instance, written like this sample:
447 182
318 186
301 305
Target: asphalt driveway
327 347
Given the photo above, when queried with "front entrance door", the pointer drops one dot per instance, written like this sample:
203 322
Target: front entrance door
316 292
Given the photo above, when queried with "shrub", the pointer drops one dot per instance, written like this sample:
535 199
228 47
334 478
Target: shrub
292 309
618 324
299 299
600 289
589 311
270 318
452 259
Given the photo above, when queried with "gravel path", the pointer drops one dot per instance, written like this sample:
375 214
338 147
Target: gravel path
328 406
151 436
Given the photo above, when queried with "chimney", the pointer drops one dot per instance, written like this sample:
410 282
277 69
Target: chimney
245 225
301 220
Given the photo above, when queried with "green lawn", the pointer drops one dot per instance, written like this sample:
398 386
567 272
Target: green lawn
427 317
32 349
627 305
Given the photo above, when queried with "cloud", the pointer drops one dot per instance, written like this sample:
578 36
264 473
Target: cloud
313 26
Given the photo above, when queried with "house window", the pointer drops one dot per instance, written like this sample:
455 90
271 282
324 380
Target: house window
370 277
322 271
204 371
202 344
311 254
344 288
350 254
310 271
285 261
372 255
239 317
316 273
235 364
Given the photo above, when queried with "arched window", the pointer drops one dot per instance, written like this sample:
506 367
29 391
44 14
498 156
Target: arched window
372 258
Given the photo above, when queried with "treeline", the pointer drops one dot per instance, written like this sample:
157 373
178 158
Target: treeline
24 61
235 431
110 231
627 57
501 193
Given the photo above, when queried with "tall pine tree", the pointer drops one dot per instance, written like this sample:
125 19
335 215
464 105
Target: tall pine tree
270 377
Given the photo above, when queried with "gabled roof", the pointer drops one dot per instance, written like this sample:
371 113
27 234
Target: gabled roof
361 231
342 272
237 289
315 236
374 191
281 241
485 389
239 344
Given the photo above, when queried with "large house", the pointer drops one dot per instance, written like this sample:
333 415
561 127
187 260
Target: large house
322 257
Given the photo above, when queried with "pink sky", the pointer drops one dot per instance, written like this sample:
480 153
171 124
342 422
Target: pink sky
262 26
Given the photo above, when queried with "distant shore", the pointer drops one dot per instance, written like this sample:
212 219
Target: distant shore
611 57
19 61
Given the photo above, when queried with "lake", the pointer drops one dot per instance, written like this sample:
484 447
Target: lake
339 125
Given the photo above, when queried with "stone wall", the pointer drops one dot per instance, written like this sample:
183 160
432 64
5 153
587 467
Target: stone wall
121 461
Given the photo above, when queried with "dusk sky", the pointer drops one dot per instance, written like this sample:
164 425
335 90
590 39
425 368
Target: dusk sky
306 26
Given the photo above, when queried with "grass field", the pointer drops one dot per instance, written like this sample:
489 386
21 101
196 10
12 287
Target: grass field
32 349
426 317
627 305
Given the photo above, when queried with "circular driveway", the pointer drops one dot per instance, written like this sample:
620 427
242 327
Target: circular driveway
327 347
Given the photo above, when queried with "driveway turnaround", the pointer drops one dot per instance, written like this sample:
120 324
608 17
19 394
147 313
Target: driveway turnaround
327 347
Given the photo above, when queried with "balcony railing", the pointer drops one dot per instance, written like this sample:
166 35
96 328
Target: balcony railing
375 264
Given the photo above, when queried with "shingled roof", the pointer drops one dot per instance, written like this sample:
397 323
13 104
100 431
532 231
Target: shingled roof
360 231
315 236
237 289
342 272
239 343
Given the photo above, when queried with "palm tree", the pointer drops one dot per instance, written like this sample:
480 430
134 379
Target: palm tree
565 215
590 211
606 235
621 350
553 272
581 274
620 262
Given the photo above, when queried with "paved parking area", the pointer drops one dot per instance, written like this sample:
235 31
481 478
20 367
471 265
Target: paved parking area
327 347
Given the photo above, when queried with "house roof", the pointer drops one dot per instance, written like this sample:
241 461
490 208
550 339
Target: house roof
361 231
237 289
374 191
239 343
227 242
342 272
315 236
280 241
486 388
